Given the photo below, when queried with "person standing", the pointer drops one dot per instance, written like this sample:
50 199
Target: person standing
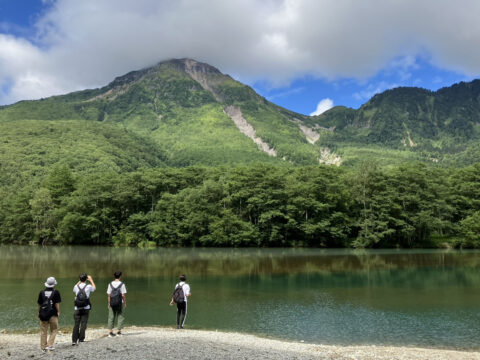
82 292
180 297
48 302
117 302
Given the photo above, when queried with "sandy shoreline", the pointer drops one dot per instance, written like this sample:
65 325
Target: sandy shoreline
167 343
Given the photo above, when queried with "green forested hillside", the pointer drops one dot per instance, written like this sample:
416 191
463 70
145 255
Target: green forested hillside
30 148
439 127
180 154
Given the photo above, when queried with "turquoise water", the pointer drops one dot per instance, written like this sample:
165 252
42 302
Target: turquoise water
419 298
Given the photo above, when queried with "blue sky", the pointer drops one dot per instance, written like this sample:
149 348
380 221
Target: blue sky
18 17
19 13
302 95
296 53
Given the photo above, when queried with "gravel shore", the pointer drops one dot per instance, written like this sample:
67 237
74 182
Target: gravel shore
166 343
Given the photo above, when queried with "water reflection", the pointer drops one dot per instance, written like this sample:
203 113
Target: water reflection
415 297
32 262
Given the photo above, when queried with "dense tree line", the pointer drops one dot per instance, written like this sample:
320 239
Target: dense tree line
256 205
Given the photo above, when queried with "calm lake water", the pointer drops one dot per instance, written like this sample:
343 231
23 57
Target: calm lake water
421 297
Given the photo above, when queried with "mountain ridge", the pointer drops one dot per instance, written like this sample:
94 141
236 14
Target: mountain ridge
198 115
438 124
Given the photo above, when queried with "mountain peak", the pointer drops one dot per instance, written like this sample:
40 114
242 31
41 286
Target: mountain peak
191 66
197 70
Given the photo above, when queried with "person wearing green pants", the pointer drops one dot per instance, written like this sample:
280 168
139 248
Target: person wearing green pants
117 302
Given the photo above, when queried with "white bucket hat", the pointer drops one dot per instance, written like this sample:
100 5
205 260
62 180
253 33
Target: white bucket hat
51 282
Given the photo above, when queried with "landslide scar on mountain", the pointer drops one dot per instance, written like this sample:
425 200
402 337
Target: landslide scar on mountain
245 128
202 74
329 158
410 141
311 135
111 94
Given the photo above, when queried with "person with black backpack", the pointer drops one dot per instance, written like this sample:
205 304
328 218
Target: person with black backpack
117 301
82 292
179 297
48 302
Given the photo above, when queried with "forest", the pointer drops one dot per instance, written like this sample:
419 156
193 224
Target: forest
256 205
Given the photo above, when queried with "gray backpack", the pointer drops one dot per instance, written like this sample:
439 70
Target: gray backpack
179 295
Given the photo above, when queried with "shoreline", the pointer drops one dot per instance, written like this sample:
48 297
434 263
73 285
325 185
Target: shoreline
65 330
165 343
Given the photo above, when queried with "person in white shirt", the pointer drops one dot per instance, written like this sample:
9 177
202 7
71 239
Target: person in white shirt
117 301
181 301
82 292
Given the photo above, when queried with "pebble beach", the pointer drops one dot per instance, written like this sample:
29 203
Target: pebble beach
167 343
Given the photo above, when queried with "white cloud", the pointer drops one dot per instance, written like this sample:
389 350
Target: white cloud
21 66
322 106
87 43
403 66
373 89
285 93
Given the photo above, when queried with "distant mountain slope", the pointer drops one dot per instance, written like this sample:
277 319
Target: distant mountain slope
440 125
30 148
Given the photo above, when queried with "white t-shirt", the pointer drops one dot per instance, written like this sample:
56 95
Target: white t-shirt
185 287
88 289
115 284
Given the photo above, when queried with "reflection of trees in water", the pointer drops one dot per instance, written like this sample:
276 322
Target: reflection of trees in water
366 265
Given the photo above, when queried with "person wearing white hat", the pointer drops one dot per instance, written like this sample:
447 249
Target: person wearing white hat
48 312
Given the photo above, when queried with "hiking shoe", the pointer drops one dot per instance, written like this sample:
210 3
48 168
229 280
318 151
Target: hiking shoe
111 334
119 333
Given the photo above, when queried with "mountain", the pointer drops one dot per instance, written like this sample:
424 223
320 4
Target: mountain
193 112
441 126
183 112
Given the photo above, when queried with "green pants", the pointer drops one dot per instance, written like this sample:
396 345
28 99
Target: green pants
115 315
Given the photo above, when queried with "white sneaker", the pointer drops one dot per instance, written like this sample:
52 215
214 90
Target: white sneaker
50 348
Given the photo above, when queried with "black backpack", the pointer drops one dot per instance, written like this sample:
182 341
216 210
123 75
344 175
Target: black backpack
179 295
81 300
116 296
46 309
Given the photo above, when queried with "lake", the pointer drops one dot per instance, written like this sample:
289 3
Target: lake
427 298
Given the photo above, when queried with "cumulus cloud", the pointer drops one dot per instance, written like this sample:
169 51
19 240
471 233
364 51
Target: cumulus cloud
79 44
322 106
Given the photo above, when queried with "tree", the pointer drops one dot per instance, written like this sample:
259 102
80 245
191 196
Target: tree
42 213
470 229
59 182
